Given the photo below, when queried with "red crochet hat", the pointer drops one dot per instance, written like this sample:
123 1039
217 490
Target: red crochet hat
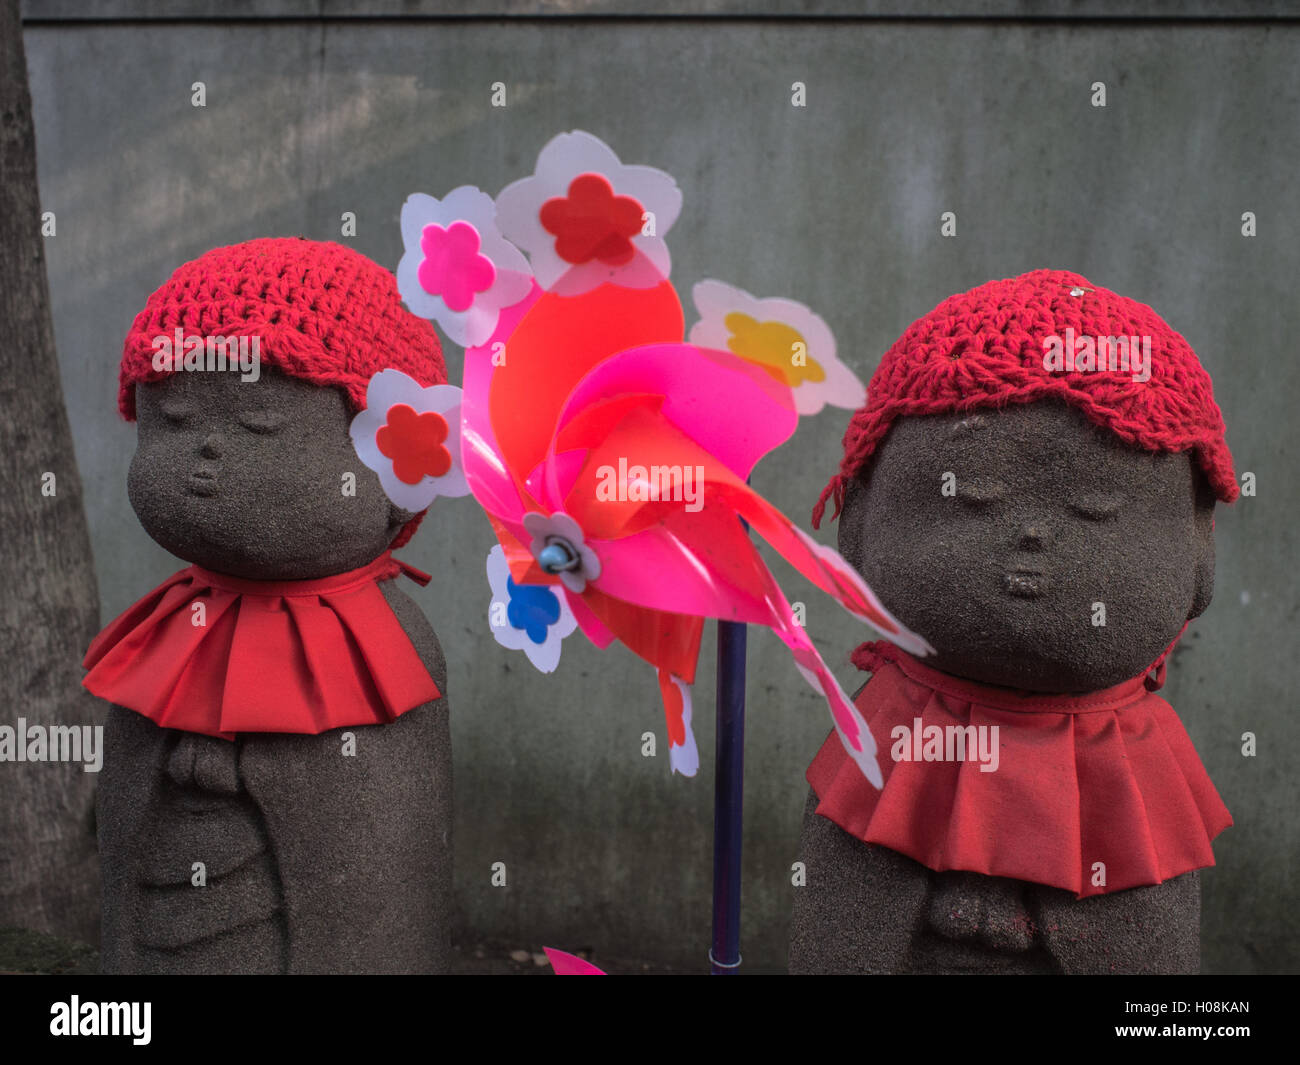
323 312
986 348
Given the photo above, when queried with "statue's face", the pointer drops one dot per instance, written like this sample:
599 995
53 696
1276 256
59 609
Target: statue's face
248 477
1031 548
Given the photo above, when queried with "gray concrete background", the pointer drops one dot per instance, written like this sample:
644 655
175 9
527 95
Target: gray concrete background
836 204
94 10
99 10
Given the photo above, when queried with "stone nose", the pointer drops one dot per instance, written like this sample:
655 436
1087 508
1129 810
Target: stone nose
1033 537
213 446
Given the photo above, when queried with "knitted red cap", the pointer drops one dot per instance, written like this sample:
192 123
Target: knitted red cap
322 312
986 348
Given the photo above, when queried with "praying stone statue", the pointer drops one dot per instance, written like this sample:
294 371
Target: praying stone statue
1031 487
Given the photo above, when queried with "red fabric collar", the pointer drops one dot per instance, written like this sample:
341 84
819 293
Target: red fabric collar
1109 777
263 656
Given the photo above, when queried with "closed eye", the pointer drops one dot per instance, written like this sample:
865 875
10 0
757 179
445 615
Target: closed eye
1099 507
262 421
981 493
176 413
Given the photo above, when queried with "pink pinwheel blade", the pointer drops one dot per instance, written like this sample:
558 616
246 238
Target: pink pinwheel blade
679 567
666 640
592 627
493 485
677 555
570 964
554 346
824 566
731 408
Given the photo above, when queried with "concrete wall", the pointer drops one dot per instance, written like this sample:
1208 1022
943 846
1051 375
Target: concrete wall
836 204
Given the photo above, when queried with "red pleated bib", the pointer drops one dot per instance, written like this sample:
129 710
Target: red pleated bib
1110 777
218 655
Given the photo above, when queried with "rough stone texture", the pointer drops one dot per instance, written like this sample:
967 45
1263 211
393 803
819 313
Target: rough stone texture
867 909
271 455
1050 515
838 205
315 861
49 604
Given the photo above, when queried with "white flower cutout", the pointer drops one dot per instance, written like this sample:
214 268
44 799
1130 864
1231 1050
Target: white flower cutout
533 618
787 339
409 434
560 536
683 758
457 268
586 218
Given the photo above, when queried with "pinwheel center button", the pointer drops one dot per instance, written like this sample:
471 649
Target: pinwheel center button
558 555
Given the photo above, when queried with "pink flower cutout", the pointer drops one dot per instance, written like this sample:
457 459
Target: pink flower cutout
592 223
415 443
453 267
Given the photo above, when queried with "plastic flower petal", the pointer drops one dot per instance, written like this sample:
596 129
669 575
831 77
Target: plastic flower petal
533 618
683 755
453 266
409 434
457 268
414 443
785 338
585 218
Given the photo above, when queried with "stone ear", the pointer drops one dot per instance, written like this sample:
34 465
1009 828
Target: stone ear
1203 541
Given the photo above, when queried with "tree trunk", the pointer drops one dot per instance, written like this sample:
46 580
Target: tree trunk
49 605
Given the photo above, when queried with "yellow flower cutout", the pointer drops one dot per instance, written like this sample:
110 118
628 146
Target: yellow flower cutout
785 338
779 348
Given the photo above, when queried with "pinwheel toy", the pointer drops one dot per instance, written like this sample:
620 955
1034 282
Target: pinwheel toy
610 452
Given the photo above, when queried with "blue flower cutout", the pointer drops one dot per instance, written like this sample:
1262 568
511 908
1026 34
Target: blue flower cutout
533 608
533 618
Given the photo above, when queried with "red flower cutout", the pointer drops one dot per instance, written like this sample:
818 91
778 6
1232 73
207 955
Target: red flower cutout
414 443
593 223
453 267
